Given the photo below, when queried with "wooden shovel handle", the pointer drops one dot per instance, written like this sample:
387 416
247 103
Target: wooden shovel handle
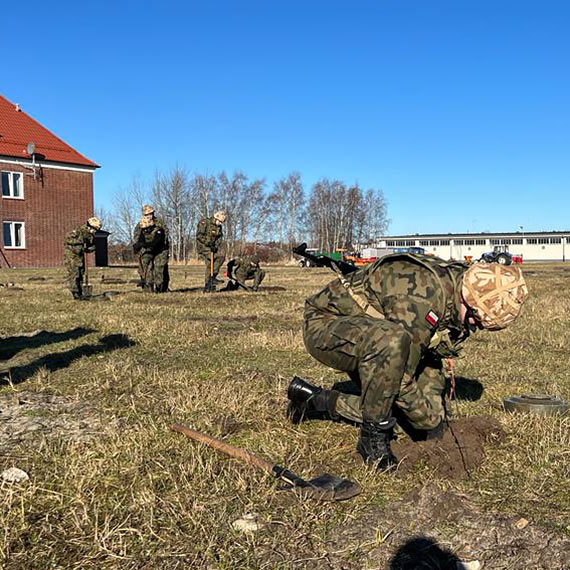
241 454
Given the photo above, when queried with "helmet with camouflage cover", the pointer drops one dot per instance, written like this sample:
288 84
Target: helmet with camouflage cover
147 209
220 216
495 293
94 223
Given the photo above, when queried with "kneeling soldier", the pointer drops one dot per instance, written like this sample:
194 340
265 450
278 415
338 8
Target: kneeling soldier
77 243
389 325
244 268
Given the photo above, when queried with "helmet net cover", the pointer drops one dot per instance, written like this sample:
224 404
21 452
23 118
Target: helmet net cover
220 216
95 223
495 293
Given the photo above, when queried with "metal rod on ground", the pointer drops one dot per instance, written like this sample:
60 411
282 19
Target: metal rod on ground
325 487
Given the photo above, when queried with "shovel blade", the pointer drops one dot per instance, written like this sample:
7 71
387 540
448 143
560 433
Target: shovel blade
326 487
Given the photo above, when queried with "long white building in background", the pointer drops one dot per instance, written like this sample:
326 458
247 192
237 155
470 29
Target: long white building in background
533 246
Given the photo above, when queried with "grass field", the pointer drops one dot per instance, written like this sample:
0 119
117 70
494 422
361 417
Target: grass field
90 403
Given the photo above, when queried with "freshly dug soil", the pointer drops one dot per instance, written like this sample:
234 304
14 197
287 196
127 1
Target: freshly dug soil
457 454
434 528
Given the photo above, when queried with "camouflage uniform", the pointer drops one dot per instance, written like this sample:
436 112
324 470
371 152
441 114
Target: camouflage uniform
209 237
152 245
388 326
247 267
77 243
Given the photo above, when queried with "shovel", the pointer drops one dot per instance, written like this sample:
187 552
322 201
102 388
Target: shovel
324 488
87 290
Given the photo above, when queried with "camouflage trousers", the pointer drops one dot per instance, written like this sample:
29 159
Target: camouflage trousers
75 268
374 353
258 276
153 270
219 259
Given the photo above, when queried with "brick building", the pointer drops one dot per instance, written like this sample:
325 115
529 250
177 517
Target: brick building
47 190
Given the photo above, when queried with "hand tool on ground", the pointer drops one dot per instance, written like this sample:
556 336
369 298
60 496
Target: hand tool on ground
324 488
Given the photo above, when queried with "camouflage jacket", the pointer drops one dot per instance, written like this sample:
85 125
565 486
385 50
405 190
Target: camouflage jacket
243 268
152 239
208 236
79 241
421 293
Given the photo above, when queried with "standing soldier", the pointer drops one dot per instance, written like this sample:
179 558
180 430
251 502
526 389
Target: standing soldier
77 243
243 268
209 246
151 245
389 325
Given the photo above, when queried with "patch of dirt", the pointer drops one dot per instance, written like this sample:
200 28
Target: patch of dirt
460 451
26 415
413 528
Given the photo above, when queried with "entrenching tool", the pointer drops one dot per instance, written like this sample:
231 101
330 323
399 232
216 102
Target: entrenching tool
211 285
87 290
324 488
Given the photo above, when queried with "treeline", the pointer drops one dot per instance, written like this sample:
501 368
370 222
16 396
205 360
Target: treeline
333 215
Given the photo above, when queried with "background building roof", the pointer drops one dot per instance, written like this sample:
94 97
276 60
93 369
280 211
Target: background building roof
17 129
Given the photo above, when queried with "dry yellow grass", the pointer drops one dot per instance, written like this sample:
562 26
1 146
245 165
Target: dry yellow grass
136 495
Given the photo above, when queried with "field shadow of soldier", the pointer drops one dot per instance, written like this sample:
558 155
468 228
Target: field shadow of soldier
12 345
465 388
60 360
423 552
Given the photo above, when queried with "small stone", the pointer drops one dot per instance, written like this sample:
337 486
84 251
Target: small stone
248 523
521 523
14 475
473 565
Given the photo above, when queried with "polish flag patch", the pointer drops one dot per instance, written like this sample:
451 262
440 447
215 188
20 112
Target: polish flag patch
432 318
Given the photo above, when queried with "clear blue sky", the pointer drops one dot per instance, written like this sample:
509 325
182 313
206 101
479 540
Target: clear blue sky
459 111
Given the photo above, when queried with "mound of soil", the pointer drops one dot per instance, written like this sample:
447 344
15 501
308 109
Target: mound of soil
416 527
460 451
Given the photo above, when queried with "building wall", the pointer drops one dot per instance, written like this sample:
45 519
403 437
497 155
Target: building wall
50 209
533 247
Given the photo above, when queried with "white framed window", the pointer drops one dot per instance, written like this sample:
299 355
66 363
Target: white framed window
12 185
14 235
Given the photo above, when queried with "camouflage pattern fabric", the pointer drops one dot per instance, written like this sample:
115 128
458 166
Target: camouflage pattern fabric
77 242
219 259
419 298
153 250
208 236
245 268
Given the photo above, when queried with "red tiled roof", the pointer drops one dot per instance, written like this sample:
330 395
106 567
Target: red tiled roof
17 129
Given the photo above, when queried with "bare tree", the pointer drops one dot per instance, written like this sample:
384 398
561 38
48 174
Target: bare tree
126 212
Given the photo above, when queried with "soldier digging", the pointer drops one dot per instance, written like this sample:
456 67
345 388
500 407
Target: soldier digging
243 269
389 325
77 243
150 243
209 246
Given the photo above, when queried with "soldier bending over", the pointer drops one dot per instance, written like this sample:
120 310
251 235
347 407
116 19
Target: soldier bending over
77 243
389 325
244 268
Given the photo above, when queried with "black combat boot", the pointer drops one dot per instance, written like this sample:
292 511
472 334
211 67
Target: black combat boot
308 401
374 444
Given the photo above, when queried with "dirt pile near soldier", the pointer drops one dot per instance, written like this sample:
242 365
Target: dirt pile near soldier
457 454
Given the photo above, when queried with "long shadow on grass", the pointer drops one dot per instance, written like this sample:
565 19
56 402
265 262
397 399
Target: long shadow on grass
12 345
423 552
57 361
